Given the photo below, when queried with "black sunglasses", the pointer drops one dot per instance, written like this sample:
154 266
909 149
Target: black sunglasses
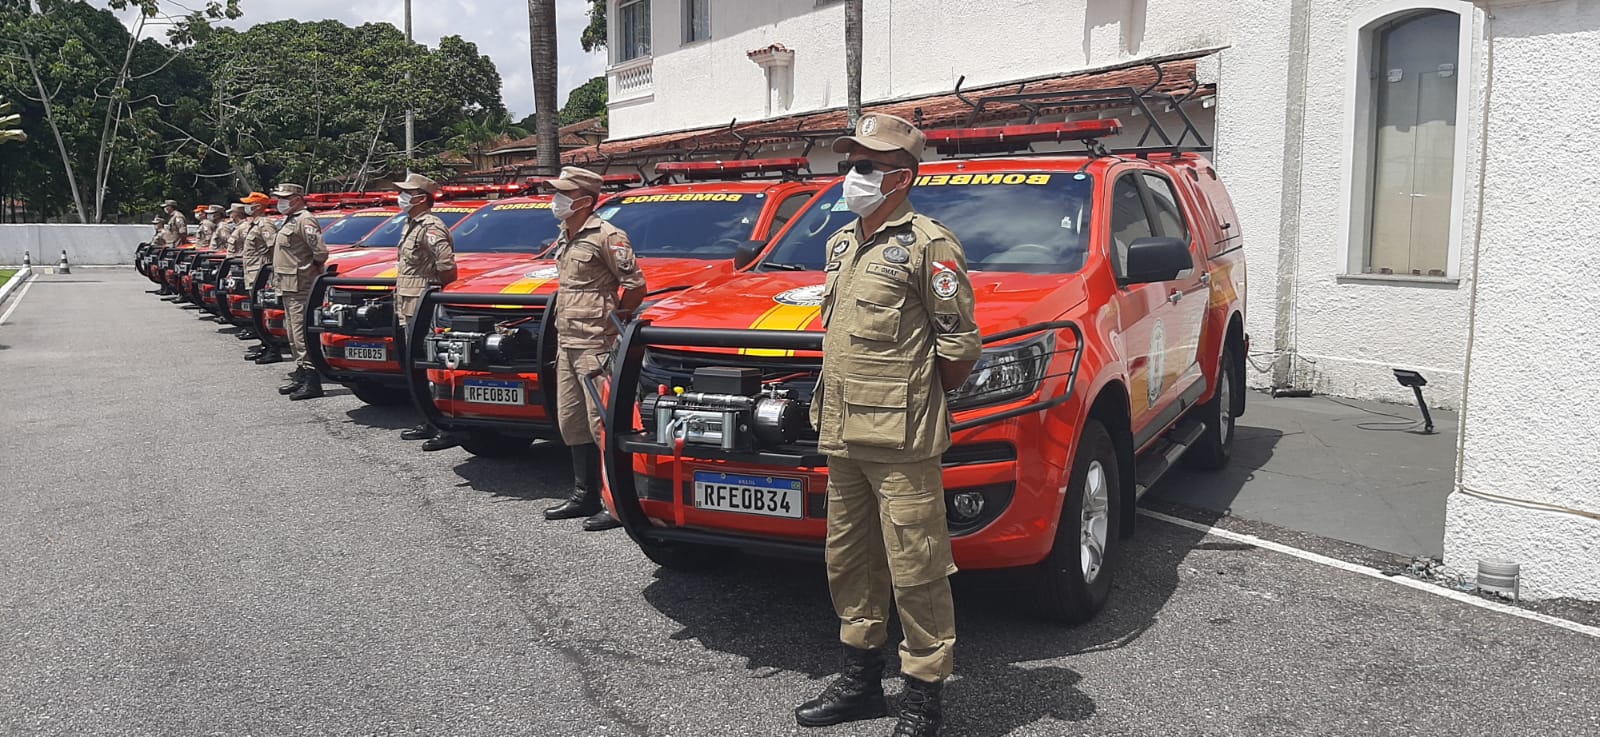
867 166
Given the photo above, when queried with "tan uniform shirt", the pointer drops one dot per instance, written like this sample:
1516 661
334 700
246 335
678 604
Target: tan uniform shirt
208 229
250 245
427 252
298 254
592 264
223 237
176 228
894 301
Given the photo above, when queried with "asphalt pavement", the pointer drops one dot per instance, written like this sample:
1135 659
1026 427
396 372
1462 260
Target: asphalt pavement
184 552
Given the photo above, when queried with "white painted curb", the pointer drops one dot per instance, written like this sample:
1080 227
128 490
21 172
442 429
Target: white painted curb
14 282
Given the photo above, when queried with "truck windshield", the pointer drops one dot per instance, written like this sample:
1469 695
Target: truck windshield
507 227
349 229
1033 222
388 235
710 228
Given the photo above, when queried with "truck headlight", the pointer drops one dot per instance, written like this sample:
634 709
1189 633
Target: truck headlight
1005 373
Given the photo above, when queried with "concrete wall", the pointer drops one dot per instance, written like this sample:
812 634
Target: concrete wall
90 245
1530 431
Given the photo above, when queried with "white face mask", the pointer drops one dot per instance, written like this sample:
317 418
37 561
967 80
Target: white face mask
563 206
283 206
404 200
863 193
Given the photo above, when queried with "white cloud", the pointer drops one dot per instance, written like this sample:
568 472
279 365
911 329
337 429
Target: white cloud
498 27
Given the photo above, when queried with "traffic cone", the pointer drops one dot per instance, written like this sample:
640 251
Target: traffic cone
27 259
63 267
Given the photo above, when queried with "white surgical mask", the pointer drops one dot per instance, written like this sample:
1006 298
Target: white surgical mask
283 206
863 193
562 206
405 200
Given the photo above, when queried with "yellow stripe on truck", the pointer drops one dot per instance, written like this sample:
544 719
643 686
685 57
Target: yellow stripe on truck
390 274
782 317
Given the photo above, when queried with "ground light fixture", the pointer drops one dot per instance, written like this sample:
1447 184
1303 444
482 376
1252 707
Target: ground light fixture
1415 380
1500 576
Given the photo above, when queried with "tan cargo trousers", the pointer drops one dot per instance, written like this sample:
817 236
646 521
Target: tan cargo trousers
576 413
887 534
294 322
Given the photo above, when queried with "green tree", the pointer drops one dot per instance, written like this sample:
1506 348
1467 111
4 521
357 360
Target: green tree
471 137
586 101
594 34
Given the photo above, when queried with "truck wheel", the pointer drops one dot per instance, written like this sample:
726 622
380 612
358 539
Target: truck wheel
683 556
1215 445
491 444
379 394
1076 576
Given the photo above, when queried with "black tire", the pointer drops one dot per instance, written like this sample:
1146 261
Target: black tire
1071 592
684 556
378 394
1215 446
491 444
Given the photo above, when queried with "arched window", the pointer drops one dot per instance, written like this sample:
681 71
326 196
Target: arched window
1415 83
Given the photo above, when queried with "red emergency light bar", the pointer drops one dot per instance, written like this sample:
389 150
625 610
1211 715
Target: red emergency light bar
715 169
1010 137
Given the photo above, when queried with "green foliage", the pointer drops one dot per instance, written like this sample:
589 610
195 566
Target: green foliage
594 35
586 101
208 112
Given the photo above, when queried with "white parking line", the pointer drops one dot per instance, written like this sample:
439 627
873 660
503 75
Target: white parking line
17 300
1411 583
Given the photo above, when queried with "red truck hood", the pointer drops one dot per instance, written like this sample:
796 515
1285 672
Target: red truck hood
351 259
468 265
538 276
788 300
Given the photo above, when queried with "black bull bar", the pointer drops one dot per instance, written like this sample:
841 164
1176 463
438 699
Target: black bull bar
314 329
416 365
620 447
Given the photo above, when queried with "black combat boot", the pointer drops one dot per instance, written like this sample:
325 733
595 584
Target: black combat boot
423 431
254 352
310 386
270 353
856 694
297 378
442 440
920 711
601 521
585 498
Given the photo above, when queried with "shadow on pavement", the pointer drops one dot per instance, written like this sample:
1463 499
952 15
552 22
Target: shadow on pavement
543 472
1211 493
777 615
396 417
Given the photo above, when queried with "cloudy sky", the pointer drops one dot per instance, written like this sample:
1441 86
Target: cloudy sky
498 27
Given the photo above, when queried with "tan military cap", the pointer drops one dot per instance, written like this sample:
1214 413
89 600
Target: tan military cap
879 132
157 220
235 207
416 181
213 209
170 203
289 190
575 178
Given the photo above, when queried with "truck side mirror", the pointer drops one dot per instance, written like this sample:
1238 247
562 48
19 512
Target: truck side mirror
1157 259
746 253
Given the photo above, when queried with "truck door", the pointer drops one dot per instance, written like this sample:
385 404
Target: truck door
1187 296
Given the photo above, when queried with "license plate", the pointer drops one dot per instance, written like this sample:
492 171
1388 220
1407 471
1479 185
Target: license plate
771 496
366 352
487 391
244 306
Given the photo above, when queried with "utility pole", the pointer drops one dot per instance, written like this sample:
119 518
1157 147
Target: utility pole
411 133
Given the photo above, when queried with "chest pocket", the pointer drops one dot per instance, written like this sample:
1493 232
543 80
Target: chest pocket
580 267
877 309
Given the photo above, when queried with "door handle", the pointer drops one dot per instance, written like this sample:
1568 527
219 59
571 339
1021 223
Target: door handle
1175 296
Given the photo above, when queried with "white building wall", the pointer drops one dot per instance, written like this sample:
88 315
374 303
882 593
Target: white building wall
1530 430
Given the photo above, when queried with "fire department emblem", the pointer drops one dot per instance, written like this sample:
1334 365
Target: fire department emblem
869 125
548 272
1157 363
945 284
801 296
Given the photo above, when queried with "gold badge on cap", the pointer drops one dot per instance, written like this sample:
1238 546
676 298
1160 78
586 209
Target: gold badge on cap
869 125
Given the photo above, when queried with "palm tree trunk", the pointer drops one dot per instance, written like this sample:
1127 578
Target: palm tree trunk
852 60
542 43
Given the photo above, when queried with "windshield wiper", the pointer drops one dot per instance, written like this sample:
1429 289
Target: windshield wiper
784 267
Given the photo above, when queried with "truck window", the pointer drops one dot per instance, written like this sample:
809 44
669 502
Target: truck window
1168 213
1129 221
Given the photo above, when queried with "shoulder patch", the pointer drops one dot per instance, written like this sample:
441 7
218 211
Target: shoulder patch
840 247
945 284
906 237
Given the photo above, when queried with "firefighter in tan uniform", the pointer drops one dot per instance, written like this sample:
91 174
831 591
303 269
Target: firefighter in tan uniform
208 226
898 312
227 222
174 228
298 258
427 257
594 260
254 240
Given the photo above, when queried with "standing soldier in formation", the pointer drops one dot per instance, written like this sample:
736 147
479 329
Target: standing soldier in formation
159 237
297 260
594 259
208 226
254 241
887 535
173 230
222 239
427 258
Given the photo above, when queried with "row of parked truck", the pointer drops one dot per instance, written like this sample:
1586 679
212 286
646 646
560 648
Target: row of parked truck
1110 290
